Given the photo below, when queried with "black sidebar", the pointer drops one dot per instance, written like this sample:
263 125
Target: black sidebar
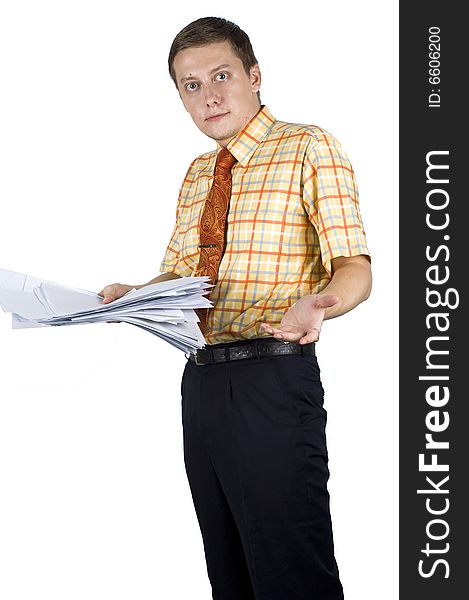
434 260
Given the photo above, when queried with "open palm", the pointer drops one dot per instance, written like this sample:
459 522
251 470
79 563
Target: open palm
302 322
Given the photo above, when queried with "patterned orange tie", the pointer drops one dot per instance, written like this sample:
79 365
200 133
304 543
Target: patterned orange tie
212 225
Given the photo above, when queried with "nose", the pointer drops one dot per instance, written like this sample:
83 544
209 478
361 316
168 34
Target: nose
212 96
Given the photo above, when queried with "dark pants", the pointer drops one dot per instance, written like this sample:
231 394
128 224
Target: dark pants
256 460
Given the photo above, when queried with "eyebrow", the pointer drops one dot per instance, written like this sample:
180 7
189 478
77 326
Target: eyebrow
223 66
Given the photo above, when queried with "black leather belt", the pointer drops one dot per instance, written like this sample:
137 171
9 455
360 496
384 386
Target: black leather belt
254 348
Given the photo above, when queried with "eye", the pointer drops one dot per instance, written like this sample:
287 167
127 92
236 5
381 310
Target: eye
191 86
221 76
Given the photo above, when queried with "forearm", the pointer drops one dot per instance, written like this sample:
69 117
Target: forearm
351 283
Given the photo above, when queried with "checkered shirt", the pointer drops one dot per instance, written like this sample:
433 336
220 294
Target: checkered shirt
293 208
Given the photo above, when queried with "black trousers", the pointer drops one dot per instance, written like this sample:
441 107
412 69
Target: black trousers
256 460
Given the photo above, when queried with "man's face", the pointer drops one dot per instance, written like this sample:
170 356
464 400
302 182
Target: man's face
216 90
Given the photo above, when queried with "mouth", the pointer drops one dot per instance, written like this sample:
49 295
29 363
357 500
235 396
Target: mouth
214 118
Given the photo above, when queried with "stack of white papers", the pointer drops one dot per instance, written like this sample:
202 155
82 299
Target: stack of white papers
165 309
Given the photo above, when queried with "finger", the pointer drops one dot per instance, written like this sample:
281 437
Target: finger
311 336
108 293
106 290
269 329
281 334
286 336
266 327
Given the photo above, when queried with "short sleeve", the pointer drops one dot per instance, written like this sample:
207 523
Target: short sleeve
330 196
169 264
172 262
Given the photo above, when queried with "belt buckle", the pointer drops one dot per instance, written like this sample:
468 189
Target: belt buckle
194 358
199 362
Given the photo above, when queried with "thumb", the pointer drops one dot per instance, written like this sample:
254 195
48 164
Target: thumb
108 293
327 300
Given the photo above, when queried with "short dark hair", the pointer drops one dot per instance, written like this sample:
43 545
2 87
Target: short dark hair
209 30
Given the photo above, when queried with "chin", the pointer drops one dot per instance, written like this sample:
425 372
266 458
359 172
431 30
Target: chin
225 133
218 131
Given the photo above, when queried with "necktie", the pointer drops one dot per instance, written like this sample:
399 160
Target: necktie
212 224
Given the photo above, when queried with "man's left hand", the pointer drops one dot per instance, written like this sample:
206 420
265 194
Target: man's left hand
302 322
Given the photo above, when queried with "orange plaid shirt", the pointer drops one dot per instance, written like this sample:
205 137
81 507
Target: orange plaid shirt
294 207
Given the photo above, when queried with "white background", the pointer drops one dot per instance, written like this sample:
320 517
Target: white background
94 143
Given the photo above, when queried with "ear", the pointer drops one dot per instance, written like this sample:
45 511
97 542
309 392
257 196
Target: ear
255 76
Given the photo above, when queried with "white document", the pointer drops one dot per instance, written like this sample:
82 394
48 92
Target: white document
164 309
25 304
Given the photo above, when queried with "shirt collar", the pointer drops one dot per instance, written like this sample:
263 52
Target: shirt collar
243 145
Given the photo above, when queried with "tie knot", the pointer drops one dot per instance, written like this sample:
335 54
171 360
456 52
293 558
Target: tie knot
225 160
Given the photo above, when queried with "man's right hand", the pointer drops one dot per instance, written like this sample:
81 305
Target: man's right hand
114 291
117 290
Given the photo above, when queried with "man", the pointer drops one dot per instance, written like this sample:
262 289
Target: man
294 254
